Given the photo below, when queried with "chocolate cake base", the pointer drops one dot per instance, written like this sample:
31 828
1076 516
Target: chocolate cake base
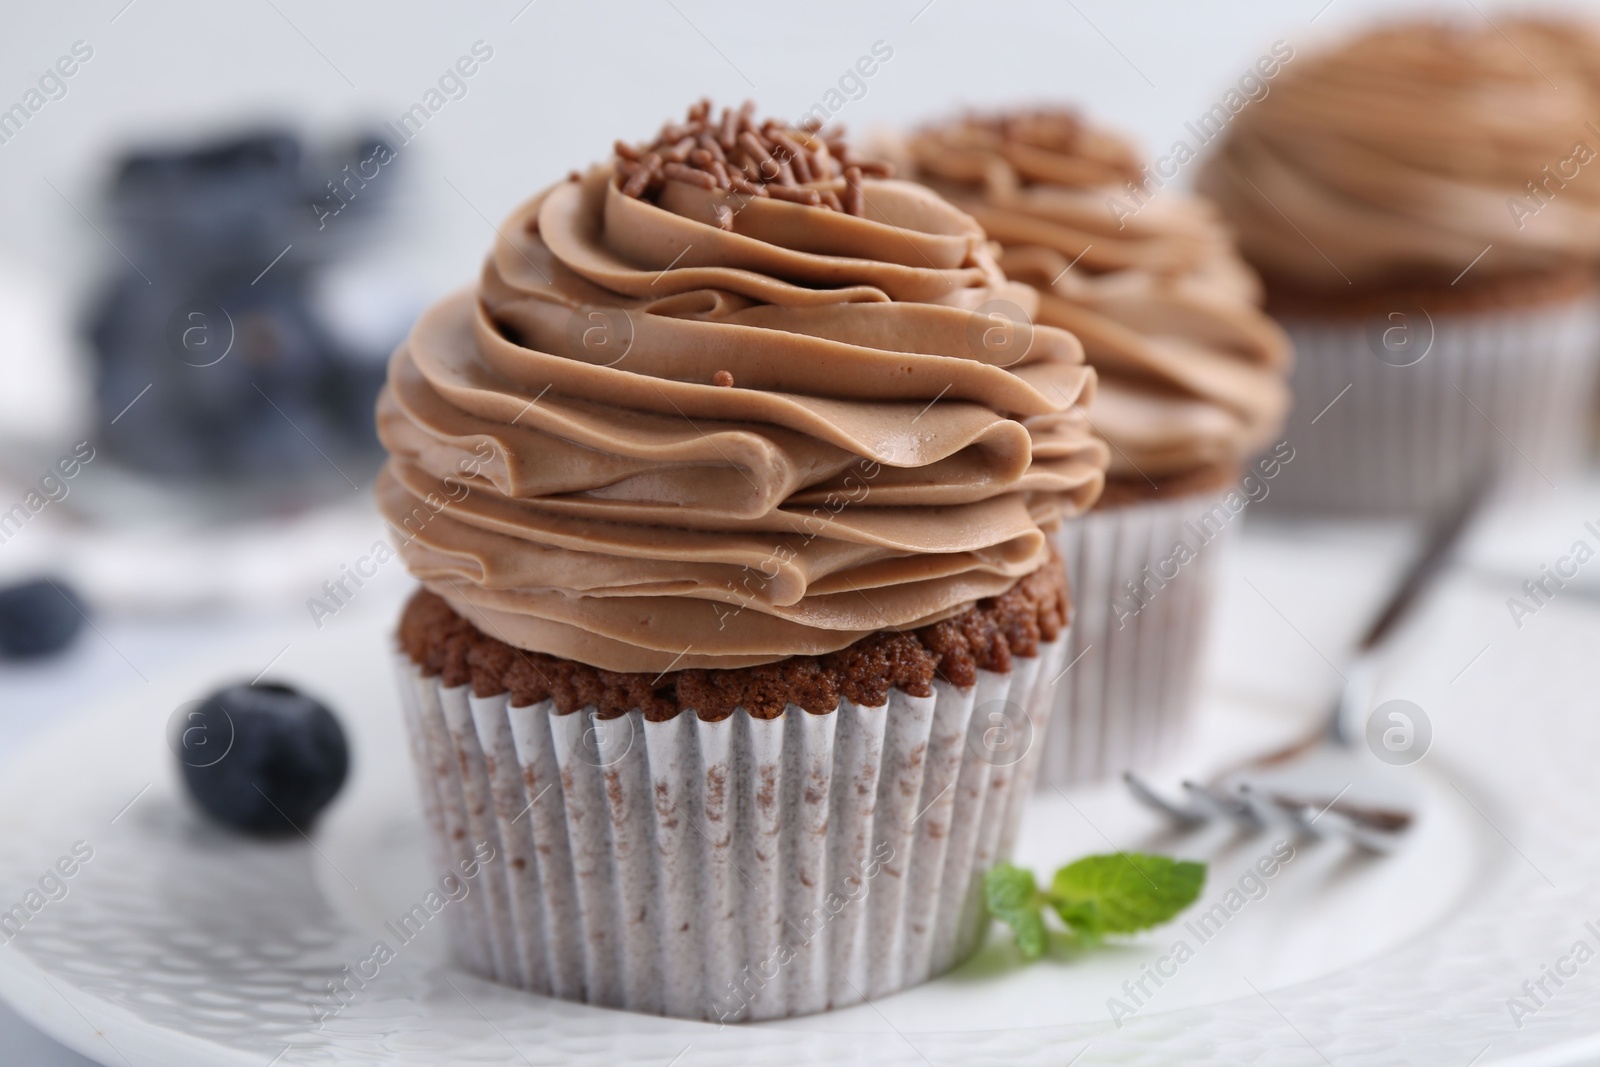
1469 293
1124 492
984 637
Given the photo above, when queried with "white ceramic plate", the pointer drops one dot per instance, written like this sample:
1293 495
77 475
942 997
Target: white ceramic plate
177 944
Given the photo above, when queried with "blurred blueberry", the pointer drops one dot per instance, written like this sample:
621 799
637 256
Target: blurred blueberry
262 758
38 618
218 321
227 200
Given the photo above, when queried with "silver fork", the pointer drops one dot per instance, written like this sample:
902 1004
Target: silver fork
1297 787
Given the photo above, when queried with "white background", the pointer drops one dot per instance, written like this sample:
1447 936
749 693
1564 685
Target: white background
568 77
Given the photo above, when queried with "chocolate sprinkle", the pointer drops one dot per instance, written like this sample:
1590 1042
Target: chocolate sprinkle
803 165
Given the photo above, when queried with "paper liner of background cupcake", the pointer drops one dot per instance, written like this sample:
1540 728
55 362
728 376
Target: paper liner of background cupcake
1406 403
1143 579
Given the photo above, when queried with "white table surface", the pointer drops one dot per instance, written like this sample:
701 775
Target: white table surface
110 660
121 651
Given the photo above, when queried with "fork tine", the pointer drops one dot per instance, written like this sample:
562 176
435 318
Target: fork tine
1333 823
1381 842
1303 817
1265 807
1187 815
1221 805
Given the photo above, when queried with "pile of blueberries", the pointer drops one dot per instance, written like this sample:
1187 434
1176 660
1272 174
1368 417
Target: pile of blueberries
212 308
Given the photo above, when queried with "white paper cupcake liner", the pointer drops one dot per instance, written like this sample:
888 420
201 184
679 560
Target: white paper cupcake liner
743 869
1501 394
1131 672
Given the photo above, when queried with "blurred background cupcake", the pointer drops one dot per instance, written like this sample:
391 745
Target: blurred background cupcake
1191 399
1423 205
735 540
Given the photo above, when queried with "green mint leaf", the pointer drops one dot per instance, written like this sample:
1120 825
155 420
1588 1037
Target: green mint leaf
1008 888
1082 918
1013 897
1124 892
1028 926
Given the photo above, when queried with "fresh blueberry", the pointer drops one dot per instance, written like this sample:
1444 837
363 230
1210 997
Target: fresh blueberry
261 758
38 618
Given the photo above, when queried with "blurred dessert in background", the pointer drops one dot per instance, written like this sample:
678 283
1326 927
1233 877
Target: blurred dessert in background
235 350
1191 399
214 362
1423 204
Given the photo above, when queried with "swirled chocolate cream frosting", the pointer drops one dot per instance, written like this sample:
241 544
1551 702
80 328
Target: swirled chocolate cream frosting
732 397
1407 153
1191 373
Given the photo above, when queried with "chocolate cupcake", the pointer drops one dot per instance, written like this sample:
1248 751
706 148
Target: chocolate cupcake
732 504
1191 392
1422 205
